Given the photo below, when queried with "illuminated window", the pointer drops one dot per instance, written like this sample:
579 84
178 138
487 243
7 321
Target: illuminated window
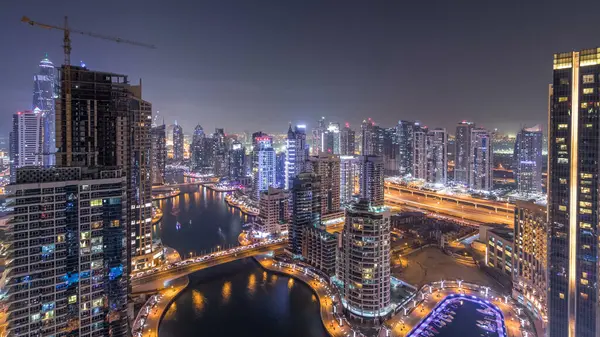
586 176
562 296
589 125
562 208
583 296
563 99
60 238
97 224
585 225
585 211
584 274
588 90
72 299
562 126
588 79
584 105
560 140
584 282
585 190
85 235
562 181
585 204
96 202
115 223
563 147
562 160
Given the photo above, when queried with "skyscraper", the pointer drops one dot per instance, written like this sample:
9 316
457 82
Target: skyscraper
306 208
71 276
296 153
219 153
419 150
237 161
118 137
372 138
317 137
363 261
274 211
331 139
390 151
371 179
264 164
159 154
327 169
197 150
347 141
26 140
349 173
528 160
462 152
44 94
405 135
437 156
177 143
530 261
480 160
574 153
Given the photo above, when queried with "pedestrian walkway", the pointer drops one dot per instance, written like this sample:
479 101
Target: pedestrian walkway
335 324
148 319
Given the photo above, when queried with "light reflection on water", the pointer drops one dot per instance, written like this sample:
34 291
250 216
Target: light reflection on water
198 301
251 284
226 291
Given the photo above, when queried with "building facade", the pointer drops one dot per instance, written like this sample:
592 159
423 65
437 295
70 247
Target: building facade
371 179
419 159
70 278
296 153
437 156
273 214
264 164
26 140
44 94
573 173
481 160
528 160
306 209
349 177
462 152
198 149
159 154
390 152
178 150
347 141
363 261
319 249
530 262
327 169
237 161
405 135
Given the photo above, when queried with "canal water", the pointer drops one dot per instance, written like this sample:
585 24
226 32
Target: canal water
236 299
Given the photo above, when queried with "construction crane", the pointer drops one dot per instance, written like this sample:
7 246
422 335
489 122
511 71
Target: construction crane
67 51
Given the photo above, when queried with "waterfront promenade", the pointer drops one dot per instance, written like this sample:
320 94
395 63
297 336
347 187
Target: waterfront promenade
325 295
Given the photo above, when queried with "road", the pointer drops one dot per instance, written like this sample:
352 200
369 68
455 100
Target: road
160 279
450 208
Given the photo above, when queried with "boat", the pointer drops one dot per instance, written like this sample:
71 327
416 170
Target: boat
439 324
190 221
447 318
486 327
178 225
433 329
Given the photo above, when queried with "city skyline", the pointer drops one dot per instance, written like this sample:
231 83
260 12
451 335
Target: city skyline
290 70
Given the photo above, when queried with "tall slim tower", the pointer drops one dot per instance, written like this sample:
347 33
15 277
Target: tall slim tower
371 179
197 149
390 151
347 141
405 135
317 137
573 174
528 160
159 154
327 169
419 150
264 164
306 208
480 160
437 156
177 142
296 153
44 94
372 138
462 152
26 140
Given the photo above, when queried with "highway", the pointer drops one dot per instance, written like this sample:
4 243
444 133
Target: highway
155 280
451 208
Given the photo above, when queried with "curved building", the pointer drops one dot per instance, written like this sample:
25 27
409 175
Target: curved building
364 261
44 93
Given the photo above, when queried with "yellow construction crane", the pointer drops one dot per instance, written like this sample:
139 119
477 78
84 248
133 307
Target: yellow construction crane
67 51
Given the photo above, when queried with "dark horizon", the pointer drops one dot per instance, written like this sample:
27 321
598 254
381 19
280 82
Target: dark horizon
258 66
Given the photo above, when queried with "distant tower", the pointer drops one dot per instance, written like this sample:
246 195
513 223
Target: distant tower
197 149
159 154
437 156
405 136
347 141
177 142
264 163
462 152
44 94
306 208
26 140
528 160
419 148
371 179
480 160
296 153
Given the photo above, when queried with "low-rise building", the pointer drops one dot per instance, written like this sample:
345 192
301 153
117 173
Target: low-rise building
500 251
319 249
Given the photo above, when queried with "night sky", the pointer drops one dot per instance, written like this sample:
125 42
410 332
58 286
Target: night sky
257 65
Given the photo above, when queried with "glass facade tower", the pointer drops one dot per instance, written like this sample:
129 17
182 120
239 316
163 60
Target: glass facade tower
574 154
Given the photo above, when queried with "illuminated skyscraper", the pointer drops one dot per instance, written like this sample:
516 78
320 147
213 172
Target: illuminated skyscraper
347 141
306 209
71 275
462 153
573 183
159 154
419 150
44 94
26 140
372 138
437 156
264 165
237 161
331 139
528 160
480 160
317 137
371 179
390 151
219 153
198 150
177 143
405 136
349 175
296 153
327 169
